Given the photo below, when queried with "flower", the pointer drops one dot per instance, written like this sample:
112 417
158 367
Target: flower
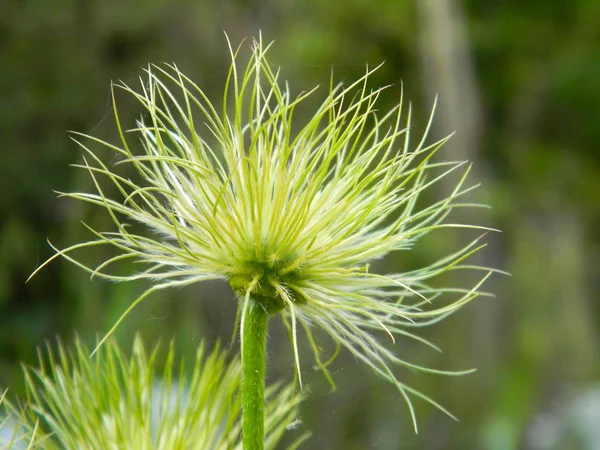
290 215
116 401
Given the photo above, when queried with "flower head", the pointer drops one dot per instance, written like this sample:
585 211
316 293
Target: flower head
291 214
119 401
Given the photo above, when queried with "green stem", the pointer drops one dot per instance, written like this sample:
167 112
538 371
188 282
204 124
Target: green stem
253 387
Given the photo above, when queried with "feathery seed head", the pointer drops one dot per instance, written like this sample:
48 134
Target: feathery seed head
119 401
290 216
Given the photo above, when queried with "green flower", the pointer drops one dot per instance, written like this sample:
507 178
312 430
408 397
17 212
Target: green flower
116 401
290 213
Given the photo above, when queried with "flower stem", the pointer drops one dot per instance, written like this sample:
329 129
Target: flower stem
254 355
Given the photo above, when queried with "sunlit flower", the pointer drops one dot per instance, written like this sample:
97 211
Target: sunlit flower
291 213
116 401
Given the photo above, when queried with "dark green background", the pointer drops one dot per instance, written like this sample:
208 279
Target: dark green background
518 80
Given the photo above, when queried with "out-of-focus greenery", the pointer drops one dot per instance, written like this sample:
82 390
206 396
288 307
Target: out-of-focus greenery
536 75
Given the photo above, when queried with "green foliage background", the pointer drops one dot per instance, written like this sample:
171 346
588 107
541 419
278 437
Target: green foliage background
536 75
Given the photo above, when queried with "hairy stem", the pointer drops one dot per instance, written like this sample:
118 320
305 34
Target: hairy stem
254 340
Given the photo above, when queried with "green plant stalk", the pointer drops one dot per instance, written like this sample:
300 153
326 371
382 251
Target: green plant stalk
254 342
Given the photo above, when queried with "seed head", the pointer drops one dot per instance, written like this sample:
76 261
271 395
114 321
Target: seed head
115 400
290 213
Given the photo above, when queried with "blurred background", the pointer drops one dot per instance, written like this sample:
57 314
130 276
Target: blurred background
518 81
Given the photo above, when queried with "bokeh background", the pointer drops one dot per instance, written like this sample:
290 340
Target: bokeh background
519 81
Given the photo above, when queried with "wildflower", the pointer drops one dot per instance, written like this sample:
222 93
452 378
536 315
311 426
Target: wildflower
116 401
291 216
